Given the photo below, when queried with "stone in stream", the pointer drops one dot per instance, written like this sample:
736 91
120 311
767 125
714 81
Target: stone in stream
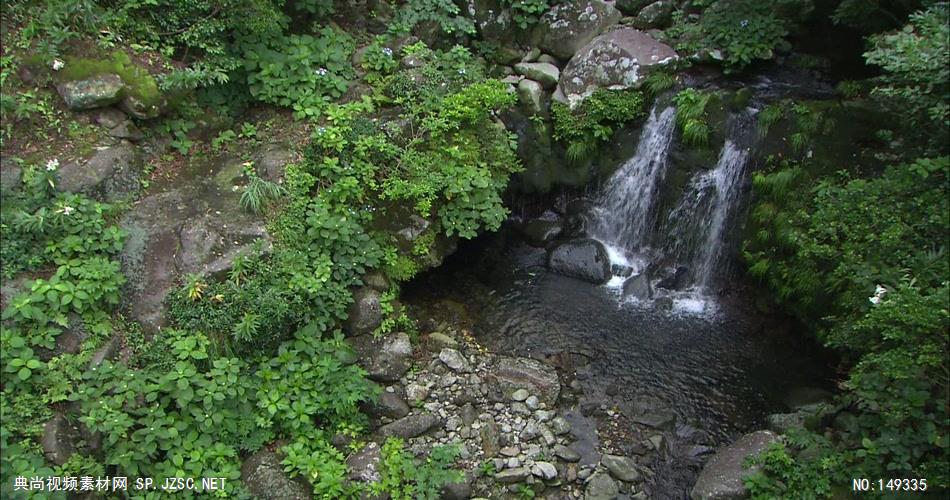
601 486
93 92
510 374
570 25
585 259
519 395
722 477
264 476
621 468
638 287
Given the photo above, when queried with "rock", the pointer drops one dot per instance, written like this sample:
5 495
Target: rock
388 405
363 466
544 470
638 287
781 423
494 22
409 427
541 232
615 60
547 58
529 94
111 174
519 395
454 360
544 73
110 117
10 174
438 341
94 92
384 360
566 454
108 351
511 476
803 397
621 468
659 419
136 108
414 228
417 393
510 451
570 25
601 487
584 259
58 438
377 281
722 477
532 55
657 15
127 130
264 476
532 403
678 281
511 374
271 161
461 490
365 313
560 426
491 445
632 7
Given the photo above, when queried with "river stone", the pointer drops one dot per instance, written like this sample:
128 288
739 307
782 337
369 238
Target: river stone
94 92
601 486
585 259
632 7
363 466
621 468
365 314
544 73
454 360
389 405
570 25
513 475
409 427
722 477
615 60
638 287
566 454
111 174
529 94
511 374
58 439
656 15
264 476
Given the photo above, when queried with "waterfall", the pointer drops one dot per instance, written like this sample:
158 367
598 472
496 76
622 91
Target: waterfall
698 223
625 213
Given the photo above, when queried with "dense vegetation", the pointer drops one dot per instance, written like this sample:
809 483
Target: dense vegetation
856 252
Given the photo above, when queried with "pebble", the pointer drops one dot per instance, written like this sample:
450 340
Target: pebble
510 451
532 402
560 426
519 395
544 470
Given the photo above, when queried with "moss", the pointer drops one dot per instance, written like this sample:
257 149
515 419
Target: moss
139 83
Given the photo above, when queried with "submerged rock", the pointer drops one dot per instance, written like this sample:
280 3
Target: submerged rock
615 60
568 26
511 374
584 259
722 478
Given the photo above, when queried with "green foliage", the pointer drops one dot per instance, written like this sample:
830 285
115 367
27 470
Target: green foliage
258 193
916 80
527 13
379 60
137 81
404 478
691 116
443 13
595 119
314 458
658 82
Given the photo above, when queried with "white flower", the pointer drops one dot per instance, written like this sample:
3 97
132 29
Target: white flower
66 210
744 23
879 293
321 71
461 71
388 51
874 300
58 64
52 165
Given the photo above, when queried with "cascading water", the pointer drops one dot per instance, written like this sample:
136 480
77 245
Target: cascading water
626 211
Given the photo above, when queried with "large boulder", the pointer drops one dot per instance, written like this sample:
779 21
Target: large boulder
94 92
510 374
111 174
570 25
584 259
264 477
722 478
615 60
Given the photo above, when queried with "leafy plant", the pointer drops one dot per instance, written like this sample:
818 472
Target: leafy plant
594 120
691 116
258 193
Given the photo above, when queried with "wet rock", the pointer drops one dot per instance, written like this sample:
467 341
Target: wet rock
621 468
679 280
532 402
616 60
722 477
545 74
514 475
638 287
111 174
584 259
548 58
511 374
365 313
601 486
264 476
454 360
530 95
540 232
570 25
94 92
566 454
58 439
412 230
409 427
664 303
363 466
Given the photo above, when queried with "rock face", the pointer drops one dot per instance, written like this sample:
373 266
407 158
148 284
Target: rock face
94 92
58 438
584 259
264 476
538 378
721 478
365 313
111 174
570 25
615 60
546 74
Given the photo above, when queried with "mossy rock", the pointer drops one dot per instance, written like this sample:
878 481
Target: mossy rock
140 95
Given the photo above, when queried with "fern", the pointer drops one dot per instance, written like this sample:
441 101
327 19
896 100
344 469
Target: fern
578 150
658 82
258 193
770 115
691 116
696 133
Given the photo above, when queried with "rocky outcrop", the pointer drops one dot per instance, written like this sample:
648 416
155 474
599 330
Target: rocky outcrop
584 259
722 478
570 25
94 92
113 173
615 60
264 477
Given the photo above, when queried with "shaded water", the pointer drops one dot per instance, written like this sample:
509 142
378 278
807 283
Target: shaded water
720 374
